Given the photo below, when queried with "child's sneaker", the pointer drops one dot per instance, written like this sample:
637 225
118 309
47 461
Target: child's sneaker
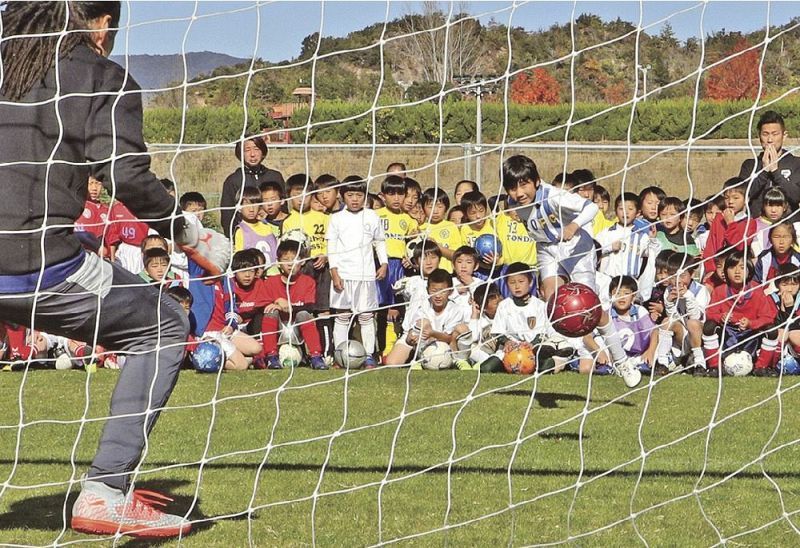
369 362
273 362
629 372
103 510
318 362
603 369
464 365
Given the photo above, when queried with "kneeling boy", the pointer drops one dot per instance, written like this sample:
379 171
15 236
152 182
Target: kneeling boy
436 319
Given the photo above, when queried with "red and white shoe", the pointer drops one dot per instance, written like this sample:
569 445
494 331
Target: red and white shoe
104 510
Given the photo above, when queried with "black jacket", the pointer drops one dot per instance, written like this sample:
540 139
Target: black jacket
97 119
233 186
786 177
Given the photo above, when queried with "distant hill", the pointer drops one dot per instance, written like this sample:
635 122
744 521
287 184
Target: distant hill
156 71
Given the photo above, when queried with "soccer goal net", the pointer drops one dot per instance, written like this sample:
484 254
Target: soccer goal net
404 370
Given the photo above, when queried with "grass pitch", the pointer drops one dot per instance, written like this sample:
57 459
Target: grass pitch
280 458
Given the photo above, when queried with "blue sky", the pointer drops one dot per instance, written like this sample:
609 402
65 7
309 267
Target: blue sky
231 27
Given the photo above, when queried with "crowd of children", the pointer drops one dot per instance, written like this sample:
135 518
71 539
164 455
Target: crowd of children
684 284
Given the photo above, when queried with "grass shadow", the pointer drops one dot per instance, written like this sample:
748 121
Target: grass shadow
549 400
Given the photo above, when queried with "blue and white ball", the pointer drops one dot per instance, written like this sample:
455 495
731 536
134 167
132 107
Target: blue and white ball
207 357
487 244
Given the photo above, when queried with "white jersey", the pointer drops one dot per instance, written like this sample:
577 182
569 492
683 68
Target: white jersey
463 293
351 238
522 323
635 245
443 322
552 210
413 289
691 306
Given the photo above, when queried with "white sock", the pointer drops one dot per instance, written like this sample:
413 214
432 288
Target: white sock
664 348
478 355
699 358
341 330
367 332
610 335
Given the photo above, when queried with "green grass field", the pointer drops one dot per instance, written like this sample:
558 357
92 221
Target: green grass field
425 459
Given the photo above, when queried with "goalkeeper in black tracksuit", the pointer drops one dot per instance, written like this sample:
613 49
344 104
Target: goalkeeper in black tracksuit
58 126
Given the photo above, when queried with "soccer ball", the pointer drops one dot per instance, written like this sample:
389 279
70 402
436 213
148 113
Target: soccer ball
520 359
411 246
486 244
790 366
350 354
574 310
289 334
63 361
437 356
289 355
296 235
738 364
207 357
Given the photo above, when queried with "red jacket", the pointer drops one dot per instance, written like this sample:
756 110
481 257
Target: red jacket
721 235
751 303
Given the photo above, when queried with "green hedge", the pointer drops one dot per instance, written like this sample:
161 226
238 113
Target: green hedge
455 122
203 125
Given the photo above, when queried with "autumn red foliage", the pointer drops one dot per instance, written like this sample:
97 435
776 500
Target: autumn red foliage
737 77
535 87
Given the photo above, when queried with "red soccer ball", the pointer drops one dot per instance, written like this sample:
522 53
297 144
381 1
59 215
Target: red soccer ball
574 310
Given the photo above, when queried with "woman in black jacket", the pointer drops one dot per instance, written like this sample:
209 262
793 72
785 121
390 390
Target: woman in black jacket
251 173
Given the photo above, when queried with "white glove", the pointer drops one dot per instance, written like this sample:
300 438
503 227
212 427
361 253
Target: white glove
196 240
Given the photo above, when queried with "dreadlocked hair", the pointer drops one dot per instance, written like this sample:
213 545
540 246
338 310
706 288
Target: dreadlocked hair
26 56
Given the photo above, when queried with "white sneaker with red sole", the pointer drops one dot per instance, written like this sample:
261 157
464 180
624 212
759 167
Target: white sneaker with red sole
104 510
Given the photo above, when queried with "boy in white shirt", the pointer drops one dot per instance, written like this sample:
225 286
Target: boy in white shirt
436 319
353 233
623 248
521 317
414 289
564 250
685 301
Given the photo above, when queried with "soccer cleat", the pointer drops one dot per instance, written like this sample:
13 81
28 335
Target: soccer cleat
416 366
766 372
369 362
317 362
273 362
464 365
603 369
259 362
661 370
103 510
629 373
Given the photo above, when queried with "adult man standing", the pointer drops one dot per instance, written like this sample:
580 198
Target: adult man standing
774 167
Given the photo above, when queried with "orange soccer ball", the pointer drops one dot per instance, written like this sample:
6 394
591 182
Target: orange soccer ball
520 359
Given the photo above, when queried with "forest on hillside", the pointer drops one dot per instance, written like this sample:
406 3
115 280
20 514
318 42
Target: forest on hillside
412 64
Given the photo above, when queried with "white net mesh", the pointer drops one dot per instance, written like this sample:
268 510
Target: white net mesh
466 456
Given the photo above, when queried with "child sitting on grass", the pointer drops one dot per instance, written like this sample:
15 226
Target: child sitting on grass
436 319
289 297
522 317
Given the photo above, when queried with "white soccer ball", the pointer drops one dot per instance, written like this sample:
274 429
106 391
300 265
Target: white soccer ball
350 354
289 356
738 364
436 356
63 361
411 246
296 235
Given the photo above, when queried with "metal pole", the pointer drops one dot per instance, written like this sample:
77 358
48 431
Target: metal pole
644 80
478 137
